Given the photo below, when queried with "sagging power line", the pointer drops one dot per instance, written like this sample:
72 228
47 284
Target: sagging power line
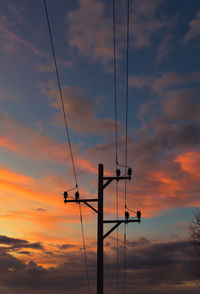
103 181
68 137
126 137
116 143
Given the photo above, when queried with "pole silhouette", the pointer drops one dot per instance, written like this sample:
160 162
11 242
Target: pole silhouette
103 182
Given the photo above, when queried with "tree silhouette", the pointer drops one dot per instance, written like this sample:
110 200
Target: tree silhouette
195 241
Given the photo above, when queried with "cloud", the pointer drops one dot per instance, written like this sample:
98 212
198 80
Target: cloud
66 246
49 67
194 29
24 188
157 154
22 195
163 49
147 23
5 142
15 39
165 81
17 15
93 36
40 209
14 243
80 112
150 269
29 143
182 105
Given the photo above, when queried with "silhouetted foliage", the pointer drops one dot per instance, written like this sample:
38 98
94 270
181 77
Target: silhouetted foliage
195 232
195 241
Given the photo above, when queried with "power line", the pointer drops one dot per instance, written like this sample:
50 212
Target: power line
84 248
68 136
116 141
126 137
127 93
115 83
60 92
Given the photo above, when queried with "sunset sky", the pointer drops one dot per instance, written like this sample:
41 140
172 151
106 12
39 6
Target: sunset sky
41 248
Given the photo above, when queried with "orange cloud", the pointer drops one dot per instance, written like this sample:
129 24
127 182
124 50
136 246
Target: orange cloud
8 175
5 142
160 189
190 162
30 143
36 205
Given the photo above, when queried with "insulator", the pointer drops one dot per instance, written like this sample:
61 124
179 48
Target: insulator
139 214
65 194
129 172
118 172
127 215
77 195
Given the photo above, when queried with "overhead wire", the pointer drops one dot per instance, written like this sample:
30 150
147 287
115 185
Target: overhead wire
115 83
60 93
126 137
68 137
116 141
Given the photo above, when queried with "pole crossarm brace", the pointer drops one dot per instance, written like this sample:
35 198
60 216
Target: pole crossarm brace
110 179
103 182
91 206
117 224
85 201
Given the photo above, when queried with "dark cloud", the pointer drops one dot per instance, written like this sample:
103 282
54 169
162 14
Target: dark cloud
66 246
25 252
160 268
40 209
15 243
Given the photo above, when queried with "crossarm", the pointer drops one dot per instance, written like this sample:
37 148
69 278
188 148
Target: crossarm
117 223
85 201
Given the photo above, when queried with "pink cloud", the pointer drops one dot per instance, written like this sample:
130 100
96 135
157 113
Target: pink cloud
194 29
145 22
50 67
7 143
80 112
93 36
29 143
14 38
155 186
166 80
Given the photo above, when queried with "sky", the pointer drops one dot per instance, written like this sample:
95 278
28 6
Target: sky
41 248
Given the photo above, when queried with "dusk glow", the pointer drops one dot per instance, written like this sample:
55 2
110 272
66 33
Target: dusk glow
41 248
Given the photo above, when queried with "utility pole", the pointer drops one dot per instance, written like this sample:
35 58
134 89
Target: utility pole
103 182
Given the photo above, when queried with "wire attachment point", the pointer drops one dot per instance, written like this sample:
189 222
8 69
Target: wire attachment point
130 171
77 195
139 214
126 216
118 173
65 195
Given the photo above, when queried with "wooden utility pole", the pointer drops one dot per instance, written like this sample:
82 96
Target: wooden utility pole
103 182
